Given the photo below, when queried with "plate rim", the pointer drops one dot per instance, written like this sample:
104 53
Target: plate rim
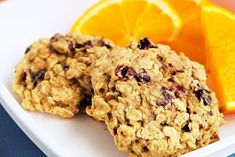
27 126
30 129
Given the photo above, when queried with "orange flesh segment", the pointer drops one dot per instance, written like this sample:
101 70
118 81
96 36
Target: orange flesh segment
206 35
126 20
130 19
220 43
147 26
190 40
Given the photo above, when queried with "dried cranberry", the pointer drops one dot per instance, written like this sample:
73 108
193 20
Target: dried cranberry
179 91
163 124
210 113
86 44
38 76
170 65
145 149
143 77
177 71
125 72
166 94
104 43
64 66
188 110
78 45
164 102
23 77
170 79
159 58
71 45
101 90
86 101
115 131
167 97
145 44
203 94
31 73
28 49
186 128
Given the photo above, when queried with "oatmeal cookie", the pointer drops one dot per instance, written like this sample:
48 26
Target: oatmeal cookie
153 101
53 76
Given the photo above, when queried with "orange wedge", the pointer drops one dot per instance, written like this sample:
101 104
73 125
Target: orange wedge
219 25
126 20
190 40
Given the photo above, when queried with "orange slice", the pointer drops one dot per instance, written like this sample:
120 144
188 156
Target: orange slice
190 40
126 20
219 25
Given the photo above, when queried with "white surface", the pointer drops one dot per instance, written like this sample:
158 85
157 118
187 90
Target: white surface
21 22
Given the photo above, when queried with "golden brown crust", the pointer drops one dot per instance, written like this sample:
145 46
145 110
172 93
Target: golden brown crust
154 102
54 73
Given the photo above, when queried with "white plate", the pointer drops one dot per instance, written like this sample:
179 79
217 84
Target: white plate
21 22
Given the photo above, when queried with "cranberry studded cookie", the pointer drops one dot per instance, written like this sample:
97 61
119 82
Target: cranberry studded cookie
54 73
154 102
